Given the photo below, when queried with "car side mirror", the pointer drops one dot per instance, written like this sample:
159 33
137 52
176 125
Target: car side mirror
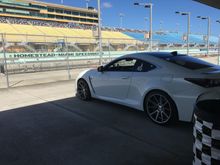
100 69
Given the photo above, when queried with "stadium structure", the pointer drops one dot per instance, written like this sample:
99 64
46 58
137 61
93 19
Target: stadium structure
32 26
34 29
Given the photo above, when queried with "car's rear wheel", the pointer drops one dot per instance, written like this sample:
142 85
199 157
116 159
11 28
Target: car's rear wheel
83 91
160 107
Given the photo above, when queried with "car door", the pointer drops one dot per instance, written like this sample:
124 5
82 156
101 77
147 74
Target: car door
143 77
114 81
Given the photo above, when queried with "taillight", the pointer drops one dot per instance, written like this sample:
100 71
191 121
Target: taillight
207 83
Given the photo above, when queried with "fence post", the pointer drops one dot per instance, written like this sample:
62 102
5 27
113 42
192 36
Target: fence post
145 45
5 60
109 51
68 64
218 51
136 45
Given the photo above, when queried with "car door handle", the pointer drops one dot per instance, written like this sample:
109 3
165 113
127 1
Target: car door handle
124 78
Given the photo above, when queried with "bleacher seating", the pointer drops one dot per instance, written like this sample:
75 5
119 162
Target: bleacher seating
213 39
34 31
138 36
30 33
173 38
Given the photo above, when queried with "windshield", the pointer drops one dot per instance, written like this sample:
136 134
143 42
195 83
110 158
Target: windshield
188 62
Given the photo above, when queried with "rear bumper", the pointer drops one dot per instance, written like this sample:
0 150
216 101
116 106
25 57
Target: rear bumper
186 103
185 106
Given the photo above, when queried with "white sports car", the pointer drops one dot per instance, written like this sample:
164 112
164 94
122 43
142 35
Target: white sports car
164 85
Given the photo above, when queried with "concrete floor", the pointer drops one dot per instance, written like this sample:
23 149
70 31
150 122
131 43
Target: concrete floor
47 124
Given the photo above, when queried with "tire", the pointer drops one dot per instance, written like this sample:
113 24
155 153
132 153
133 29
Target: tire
160 108
83 91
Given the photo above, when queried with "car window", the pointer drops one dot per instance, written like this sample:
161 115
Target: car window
143 66
122 65
189 62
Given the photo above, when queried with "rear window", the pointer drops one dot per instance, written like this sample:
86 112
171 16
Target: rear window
188 62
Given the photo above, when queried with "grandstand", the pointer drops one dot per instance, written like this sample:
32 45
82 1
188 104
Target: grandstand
38 36
175 39
35 35
34 26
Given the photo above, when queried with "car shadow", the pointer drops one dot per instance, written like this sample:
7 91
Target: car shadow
71 131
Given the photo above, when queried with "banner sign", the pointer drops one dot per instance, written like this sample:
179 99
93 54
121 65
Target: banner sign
56 56
59 56
51 55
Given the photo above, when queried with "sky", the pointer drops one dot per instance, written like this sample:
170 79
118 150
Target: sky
164 16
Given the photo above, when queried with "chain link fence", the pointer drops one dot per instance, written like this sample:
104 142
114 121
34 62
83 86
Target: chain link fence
34 59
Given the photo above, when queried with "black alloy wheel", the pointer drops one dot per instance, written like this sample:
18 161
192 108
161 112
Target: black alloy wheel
83 91
160 107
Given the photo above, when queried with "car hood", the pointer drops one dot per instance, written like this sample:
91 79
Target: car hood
86 73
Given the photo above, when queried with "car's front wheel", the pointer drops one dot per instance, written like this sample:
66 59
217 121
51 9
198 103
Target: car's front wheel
160 107
83 91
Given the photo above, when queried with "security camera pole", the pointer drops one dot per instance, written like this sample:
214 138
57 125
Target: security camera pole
5 60
177 27
218 50
161 23
99 33
218 21
87 4
148 5
208 31
145 22
121 15
188 26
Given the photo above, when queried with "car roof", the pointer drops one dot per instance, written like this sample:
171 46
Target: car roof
156 54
